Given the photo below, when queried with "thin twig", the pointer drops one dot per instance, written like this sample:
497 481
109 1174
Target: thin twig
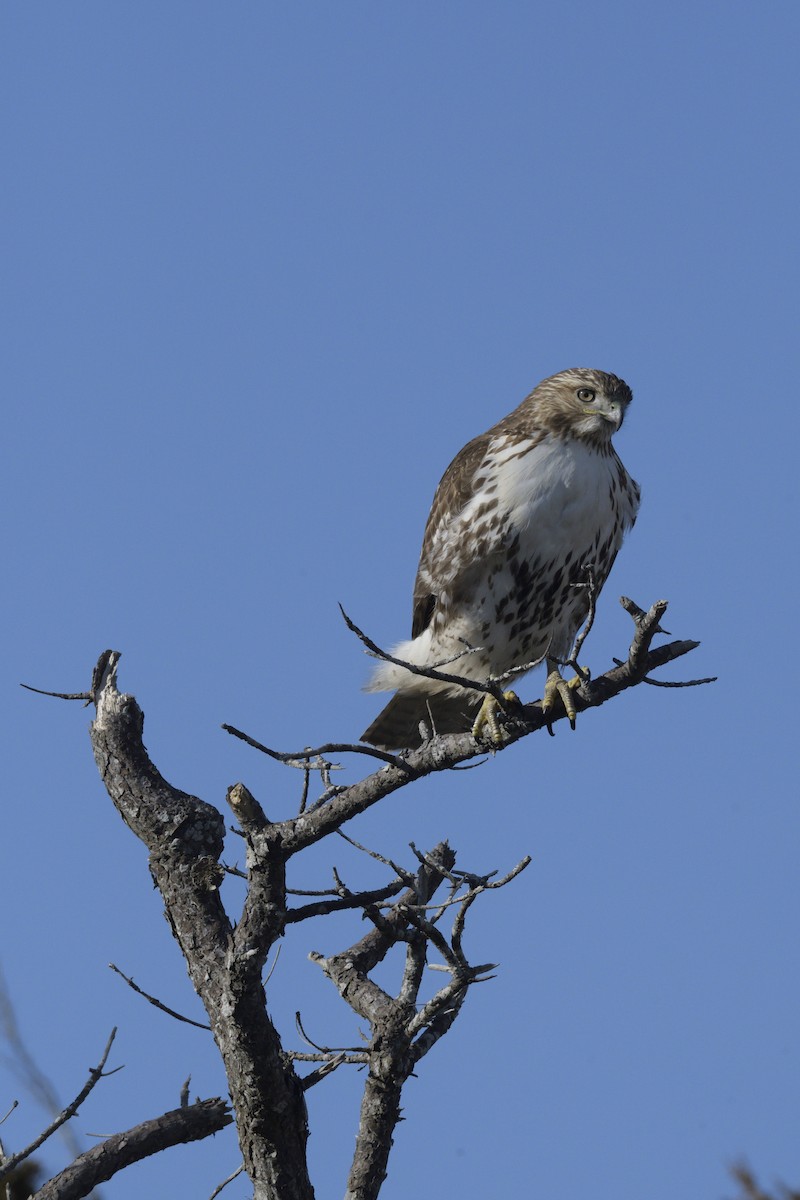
25 1066
321 908
316 1046
434 935
459 924
514 673
682 683
59 695
325 1068
438 908
225 1182
237 871
475 883
14 1104
271 971
300 758
312 891
324 768
105 668
670 683
406 876
491 687
95 1074
304 793
489 884
358 1059
583 633
157 1003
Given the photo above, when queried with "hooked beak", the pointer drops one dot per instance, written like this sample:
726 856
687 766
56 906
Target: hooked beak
614 413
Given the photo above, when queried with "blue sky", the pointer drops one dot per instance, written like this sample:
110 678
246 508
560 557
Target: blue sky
265 269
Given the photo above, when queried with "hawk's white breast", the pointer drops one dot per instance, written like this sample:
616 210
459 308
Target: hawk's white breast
556 495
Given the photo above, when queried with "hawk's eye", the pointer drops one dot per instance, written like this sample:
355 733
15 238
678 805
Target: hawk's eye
586 395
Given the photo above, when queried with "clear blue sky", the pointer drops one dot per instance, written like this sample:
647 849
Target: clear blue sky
265 269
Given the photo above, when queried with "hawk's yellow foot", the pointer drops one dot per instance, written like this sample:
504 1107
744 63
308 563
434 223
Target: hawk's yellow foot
486 726
556 689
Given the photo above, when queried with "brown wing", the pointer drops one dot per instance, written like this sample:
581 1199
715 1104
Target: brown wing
453 493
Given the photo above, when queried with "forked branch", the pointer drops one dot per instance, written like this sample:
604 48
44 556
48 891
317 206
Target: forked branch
403 1027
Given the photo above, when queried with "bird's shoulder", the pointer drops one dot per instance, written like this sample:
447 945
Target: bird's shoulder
471 471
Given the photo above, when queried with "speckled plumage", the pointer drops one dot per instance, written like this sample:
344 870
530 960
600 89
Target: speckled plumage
518 516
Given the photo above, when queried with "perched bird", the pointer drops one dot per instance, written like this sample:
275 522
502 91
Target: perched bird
524 518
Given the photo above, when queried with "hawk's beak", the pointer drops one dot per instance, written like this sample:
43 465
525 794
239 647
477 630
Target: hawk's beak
613 413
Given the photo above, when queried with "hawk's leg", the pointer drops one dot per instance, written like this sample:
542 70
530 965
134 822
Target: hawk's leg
557 688
486 726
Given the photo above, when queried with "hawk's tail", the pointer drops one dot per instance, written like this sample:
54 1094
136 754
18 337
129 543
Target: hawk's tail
397 726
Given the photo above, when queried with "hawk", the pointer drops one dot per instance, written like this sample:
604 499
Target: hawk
525 515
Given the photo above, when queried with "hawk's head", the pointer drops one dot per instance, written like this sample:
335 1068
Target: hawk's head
580 403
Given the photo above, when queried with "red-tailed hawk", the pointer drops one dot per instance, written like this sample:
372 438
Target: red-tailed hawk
520 518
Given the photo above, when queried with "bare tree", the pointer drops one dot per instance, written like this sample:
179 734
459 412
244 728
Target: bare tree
421 911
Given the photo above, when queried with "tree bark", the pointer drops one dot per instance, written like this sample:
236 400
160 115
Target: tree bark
174 1128
185 836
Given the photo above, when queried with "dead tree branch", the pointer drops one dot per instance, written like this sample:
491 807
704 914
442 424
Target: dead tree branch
226 958
95 1075
444 753
155 1001
297 758
175 1128
403 1030
26 1068
221 1186
185 837
348 900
